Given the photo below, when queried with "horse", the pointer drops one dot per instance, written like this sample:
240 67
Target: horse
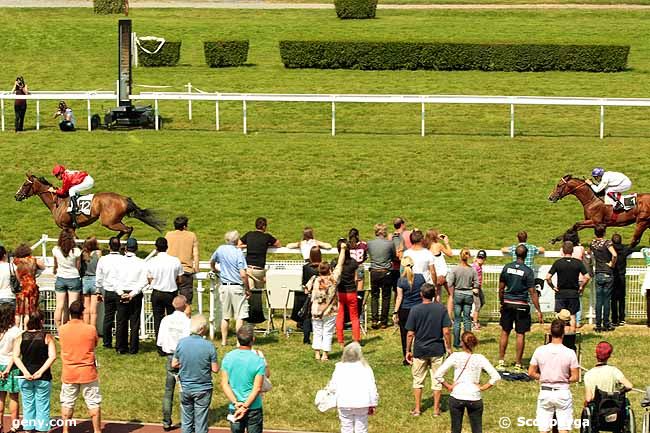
597 212
107 207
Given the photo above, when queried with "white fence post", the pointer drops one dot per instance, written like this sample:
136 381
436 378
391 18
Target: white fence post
44 238
156 113
216 114
422 127
117 93
602 121
88 107
211 318
244 110
512 120
38 114
333 118
2 108
189 101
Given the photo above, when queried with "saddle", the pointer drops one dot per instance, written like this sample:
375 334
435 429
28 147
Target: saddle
84 205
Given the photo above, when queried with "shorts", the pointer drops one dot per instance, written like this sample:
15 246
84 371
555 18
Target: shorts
62 285
88 285
256 278
479 300
517 315
419 371
10 384
186 287
90 392
233 302
558 402
573 305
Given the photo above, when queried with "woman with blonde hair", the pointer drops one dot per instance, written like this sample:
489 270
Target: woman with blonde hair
67 261
90 254
408 296
308 242
463 281
353 382
27 267
439 246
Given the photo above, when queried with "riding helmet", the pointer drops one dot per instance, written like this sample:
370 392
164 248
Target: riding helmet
57 170
597 172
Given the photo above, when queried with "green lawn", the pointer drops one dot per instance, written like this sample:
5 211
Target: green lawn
486 2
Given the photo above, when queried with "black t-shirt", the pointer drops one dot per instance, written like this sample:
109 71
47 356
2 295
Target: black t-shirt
427 321
347 283
257 243
568 272
518 279
621 258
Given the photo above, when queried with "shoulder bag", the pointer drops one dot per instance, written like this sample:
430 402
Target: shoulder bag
14 282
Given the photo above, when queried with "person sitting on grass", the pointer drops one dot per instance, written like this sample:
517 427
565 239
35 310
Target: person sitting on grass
68 122
606 378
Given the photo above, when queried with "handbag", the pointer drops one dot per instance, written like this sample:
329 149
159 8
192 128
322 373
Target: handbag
266 385
325 399
305 310
14 282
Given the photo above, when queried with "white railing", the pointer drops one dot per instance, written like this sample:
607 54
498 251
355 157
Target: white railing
331 99
293 269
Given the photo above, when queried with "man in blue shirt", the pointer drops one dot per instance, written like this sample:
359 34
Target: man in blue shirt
533 250
196 359
242 375
234 291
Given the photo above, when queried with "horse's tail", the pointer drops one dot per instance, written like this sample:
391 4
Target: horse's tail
150 217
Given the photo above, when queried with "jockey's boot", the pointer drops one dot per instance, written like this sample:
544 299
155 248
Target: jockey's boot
618 206
75 208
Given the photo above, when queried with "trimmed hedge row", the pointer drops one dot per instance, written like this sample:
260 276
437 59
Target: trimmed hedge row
219 54
106 7
169 54
355 9
453 56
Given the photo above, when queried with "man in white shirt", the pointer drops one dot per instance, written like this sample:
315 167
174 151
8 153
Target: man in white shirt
173 327
107 279
606 378
163 272
133 279
613 183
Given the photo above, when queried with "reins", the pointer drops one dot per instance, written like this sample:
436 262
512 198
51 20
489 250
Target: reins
583 183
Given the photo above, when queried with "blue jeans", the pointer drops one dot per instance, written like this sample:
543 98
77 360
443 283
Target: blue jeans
194 410
36 404
168 398
252 422
463 301
604 285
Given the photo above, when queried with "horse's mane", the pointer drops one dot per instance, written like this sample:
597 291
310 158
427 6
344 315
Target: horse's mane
43 180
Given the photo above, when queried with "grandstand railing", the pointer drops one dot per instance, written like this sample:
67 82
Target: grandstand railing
332 99
635 301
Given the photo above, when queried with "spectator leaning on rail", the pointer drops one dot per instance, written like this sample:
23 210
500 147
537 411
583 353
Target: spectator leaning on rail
353 382
67 261
572 276
257 243
428 325
34 353
531 249
619 287
163 273
382 253
79 368
479 298
196 359
26 267
465 390
107 280
605 377
408 296
234 290
173 327
606 257
307 243
463 281
242 375
133 279
556 367
8 371
516 288
184 245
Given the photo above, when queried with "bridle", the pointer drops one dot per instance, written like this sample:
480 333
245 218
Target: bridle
583 183
39 193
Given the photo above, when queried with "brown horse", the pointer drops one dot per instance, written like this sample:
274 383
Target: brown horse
597 212
107 207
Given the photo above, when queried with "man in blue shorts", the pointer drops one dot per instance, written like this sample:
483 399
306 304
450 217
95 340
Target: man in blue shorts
516 289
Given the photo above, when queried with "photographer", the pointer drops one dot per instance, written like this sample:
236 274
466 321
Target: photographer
20 105
68 121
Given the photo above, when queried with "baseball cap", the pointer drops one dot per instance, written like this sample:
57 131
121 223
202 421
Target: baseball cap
564 315
481 254
131 244
603 351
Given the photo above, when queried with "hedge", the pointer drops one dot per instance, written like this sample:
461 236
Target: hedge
219 54
355 9
453 56
169 54
108 6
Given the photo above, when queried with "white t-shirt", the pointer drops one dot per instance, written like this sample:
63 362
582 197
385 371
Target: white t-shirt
467 374
66 266
163 270
606 377
7 344
173 328
422 259
5 286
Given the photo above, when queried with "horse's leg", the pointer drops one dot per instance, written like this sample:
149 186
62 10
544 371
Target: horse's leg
121 228
576 227
641 227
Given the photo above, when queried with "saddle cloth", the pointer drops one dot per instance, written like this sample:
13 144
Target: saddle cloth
84 203
629 201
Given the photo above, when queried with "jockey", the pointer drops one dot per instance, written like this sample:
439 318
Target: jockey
73 182
613 183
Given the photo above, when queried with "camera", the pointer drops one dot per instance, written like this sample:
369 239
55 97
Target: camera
20 82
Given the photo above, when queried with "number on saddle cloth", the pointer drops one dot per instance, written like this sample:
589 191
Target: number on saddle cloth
629 201
84 203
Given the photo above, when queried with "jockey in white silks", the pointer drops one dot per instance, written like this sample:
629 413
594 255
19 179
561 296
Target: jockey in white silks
613 183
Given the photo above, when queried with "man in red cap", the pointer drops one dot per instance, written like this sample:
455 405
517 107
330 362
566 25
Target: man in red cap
605 377
73 183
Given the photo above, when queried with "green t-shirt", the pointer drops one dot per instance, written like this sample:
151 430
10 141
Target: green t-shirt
242 367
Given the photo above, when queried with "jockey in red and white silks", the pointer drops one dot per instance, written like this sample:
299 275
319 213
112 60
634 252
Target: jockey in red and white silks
612 182
74 182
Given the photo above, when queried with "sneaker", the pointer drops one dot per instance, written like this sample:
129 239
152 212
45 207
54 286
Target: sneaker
610 328
518 369
501 366
621 323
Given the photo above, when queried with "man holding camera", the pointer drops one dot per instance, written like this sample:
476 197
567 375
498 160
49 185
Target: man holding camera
20 105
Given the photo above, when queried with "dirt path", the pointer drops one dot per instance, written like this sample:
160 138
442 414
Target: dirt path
260 4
